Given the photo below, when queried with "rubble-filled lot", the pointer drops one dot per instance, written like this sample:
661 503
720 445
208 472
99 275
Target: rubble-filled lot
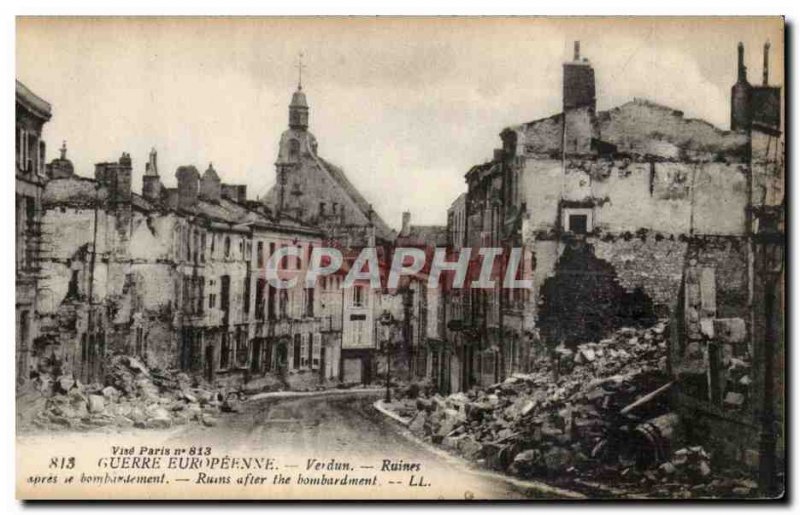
596 417
130 396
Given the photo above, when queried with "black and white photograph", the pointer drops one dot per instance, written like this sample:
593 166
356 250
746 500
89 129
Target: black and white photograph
400 258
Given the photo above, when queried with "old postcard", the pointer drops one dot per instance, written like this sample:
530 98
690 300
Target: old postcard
400 258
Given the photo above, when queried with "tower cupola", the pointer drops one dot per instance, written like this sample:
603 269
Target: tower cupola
298 110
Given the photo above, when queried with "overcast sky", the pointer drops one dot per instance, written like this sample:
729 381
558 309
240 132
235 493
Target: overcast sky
404 106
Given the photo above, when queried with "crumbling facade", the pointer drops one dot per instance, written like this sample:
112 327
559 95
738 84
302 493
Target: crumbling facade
626 216
174 276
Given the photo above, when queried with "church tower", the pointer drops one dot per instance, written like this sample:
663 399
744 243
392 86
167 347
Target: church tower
298 110
297 146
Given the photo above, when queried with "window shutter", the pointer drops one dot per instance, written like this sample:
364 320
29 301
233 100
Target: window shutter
303 350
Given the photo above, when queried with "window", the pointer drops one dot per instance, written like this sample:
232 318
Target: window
260 254
18 147
225 351
227 247
284 262
577 220
283 302
242 347
201 283
186 244
41 159
304 350
271 299
578 223
296 352
309 307
358 295
317 348
246 300
203 248
261 285
212 297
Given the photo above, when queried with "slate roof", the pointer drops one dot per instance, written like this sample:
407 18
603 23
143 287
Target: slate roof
382 230
33 102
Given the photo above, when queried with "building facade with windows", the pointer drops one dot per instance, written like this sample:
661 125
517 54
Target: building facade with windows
32 112
175 276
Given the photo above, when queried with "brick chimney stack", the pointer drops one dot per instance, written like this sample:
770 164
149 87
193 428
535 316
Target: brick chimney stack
151 182
406 223
188 186
116 177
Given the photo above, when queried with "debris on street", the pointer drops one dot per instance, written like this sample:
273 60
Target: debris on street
597 412
130 396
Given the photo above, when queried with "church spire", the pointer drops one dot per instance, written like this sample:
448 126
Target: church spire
298 108
300 71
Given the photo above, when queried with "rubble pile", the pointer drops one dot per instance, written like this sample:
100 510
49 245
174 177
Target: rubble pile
559 418
130 396
597 414
688 474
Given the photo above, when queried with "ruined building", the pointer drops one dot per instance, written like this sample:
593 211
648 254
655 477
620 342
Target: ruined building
627 215
173 276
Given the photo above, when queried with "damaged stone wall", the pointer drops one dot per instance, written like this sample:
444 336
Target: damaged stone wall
653 263
667 197
643 219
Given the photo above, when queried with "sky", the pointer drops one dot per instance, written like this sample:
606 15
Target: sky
404 105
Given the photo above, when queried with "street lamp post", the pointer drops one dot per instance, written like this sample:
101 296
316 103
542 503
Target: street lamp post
387 320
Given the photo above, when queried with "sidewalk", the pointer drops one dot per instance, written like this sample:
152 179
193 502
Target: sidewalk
290 394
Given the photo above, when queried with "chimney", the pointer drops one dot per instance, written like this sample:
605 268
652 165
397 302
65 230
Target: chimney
576 51
235 192
766 64
210 188
188 186
151 188
406 223
741 68
151 182
579 88
116 177
741 96
151 168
